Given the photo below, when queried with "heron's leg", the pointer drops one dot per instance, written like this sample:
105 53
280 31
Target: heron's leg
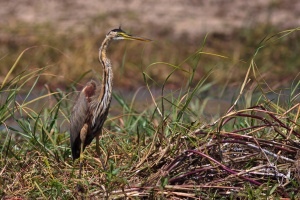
98 152
83 133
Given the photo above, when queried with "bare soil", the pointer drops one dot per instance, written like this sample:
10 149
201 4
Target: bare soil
189 18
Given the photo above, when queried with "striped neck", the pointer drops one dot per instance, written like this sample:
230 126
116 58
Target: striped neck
105 94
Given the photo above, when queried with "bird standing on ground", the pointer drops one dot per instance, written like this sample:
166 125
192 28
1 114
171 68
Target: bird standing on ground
91 108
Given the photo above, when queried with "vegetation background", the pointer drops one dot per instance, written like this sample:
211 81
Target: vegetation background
206 57
68 33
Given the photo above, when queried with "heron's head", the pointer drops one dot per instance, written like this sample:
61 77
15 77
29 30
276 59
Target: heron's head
119 34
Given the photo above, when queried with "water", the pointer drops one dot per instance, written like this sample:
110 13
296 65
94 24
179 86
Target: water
207 104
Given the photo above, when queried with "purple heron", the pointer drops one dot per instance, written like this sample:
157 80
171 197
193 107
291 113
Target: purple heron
91 107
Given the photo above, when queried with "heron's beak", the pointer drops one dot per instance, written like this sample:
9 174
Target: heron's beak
131 37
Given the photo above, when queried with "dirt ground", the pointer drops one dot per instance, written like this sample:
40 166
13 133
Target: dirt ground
190 18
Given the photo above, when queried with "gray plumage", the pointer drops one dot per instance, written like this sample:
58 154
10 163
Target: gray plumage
82 113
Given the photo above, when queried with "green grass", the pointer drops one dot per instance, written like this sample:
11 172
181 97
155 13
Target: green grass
170 148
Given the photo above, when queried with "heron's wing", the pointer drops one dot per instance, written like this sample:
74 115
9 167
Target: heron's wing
82 113
77 120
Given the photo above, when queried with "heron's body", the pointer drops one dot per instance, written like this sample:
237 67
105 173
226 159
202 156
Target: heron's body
83 113
91 107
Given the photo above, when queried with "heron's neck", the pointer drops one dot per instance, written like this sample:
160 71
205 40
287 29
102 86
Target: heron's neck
105 94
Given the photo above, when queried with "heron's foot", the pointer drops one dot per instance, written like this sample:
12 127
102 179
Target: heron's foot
80 188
